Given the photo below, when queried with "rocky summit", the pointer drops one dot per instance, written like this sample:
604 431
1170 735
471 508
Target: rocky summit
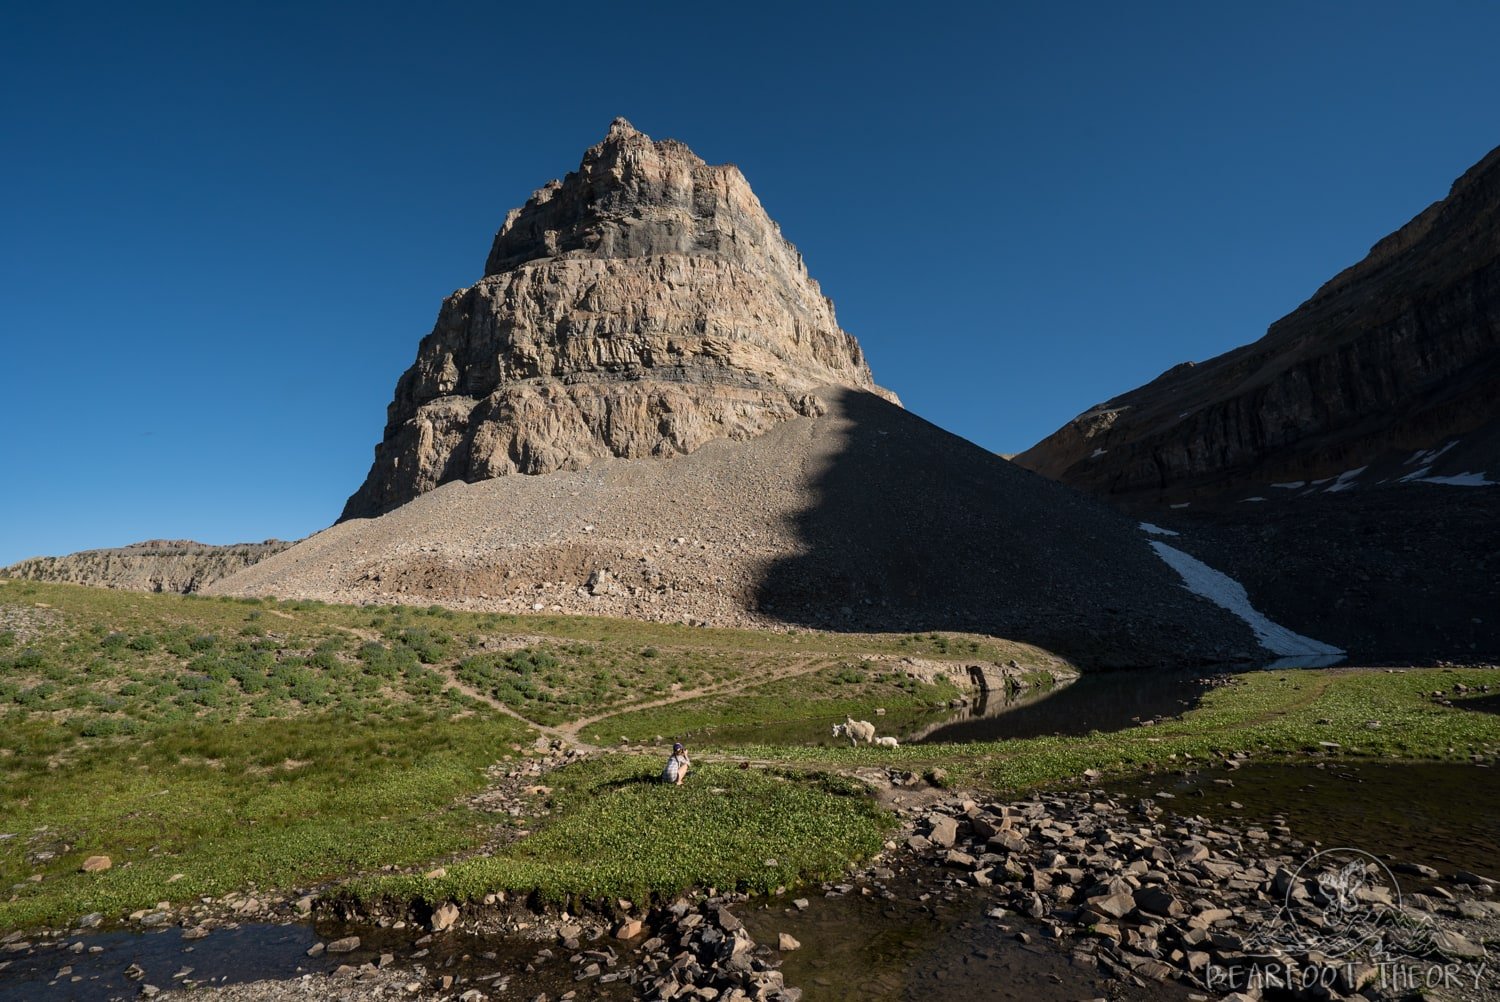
640 307
647 409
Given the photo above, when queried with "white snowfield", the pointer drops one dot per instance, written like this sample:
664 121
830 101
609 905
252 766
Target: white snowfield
1459 480
1426 457
1227 593
1345 481
1157 530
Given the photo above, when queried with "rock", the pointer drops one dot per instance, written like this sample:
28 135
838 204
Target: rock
1329 423
443 917
441 871
346 945
1158 901
943 831
786 943
1112 905
1340 380
644 308
157 565
317 949
97 864
616 303
1455 945
1007 842
630 929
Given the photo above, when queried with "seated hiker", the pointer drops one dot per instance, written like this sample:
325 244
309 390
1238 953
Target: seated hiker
677 766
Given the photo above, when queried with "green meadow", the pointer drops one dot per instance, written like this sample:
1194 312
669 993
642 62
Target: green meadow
211 745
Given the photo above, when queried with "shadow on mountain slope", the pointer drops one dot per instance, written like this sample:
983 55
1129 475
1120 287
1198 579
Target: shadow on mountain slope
915 529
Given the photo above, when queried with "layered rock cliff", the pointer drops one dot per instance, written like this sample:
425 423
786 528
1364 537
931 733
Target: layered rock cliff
169 565
642 306
1399 352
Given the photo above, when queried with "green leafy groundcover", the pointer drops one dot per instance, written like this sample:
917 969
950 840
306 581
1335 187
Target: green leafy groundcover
202 809
621 833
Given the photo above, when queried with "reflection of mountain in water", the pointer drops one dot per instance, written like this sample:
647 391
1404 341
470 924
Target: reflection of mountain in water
1105 701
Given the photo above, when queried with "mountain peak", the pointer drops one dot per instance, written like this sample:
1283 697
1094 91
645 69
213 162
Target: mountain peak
643 305
621 128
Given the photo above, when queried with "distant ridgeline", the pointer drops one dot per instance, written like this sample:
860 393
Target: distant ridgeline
170 565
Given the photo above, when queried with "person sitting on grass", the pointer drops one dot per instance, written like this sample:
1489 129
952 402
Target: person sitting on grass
677 766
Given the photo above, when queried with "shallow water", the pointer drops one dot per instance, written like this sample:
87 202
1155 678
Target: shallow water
1105 702
256 951
247 953
1101 701
1444 815
867 949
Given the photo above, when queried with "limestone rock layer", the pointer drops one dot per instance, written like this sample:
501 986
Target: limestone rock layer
1397 353
640 307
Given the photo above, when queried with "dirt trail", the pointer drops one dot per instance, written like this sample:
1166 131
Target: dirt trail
568 733
454 682
718 689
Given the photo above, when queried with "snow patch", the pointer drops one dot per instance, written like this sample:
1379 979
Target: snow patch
1256 498
1345 480
1426 457
1182 505
1294 485
1228 594
1157 530
1097 453
1462 480
1417 475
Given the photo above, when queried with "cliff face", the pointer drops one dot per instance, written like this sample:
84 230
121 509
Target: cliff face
174 565
640 307
1398 352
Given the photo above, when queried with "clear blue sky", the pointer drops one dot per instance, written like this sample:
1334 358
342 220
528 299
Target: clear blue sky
226 227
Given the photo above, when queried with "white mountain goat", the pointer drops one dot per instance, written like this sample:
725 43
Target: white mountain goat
886 741
855 730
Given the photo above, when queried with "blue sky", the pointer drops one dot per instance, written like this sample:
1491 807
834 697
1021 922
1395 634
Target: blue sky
226 227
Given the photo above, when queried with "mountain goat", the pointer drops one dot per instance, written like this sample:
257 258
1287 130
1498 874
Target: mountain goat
855 730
